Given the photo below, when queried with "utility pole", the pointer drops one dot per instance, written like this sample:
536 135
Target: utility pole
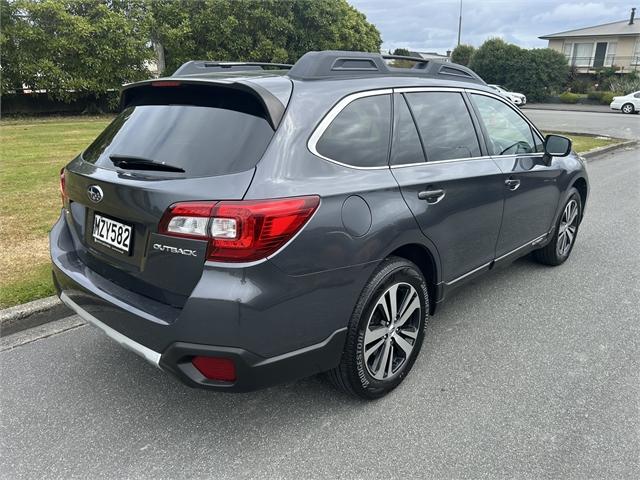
460 23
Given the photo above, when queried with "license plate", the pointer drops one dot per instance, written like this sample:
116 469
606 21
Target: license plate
111 233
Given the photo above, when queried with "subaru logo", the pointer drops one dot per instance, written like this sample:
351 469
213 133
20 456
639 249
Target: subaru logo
94 192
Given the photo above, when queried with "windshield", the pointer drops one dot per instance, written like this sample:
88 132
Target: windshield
201 140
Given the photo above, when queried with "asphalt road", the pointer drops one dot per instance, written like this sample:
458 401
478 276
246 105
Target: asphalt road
530 372
613 125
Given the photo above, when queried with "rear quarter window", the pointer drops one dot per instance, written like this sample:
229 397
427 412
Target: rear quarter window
189 128
359 134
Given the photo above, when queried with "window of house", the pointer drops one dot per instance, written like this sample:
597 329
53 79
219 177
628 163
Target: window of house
444 124
567 49
583 54
611 54
636 54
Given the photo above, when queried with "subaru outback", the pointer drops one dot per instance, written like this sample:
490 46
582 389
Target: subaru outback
242 225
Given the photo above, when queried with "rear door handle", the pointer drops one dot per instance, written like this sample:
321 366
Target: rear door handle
431 196
512 183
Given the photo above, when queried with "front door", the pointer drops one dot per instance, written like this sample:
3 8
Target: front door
601 53
454 192
530 190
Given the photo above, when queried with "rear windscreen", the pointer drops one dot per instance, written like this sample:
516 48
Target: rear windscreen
204 131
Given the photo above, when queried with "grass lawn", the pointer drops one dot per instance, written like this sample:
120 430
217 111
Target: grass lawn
584 143
31 155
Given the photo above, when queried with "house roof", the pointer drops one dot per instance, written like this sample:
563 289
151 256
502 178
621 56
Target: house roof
606 29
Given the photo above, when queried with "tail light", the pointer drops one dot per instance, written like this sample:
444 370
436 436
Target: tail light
63 192
239 231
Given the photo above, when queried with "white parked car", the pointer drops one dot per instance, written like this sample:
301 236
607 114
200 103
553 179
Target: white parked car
627 104
516 98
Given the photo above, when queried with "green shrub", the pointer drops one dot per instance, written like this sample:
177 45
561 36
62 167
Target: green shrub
607 98
580 86
603 98
624 84
568 97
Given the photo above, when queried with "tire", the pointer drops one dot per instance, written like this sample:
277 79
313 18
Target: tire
628 108
373 376
557 251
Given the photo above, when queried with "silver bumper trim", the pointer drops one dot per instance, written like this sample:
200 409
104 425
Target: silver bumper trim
149 355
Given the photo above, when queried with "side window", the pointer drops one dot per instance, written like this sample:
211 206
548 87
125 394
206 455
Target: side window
636 95
508 132
406 147
359 135
539 142
444 124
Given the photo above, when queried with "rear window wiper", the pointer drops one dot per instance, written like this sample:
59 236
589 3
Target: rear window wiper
137 163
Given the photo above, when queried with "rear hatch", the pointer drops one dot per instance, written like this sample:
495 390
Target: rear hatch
172 142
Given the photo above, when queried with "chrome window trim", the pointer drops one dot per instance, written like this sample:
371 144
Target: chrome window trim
437 162
428 89
331 115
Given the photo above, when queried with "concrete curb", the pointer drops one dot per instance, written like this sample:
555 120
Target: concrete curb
596 152
32 314
562 107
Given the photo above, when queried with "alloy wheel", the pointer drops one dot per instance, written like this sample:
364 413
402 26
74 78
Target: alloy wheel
627 108
392 331
568 228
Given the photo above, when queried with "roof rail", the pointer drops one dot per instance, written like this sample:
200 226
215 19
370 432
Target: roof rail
333 63
204 66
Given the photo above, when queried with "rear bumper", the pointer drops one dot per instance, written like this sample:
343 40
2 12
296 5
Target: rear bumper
253 371
276 328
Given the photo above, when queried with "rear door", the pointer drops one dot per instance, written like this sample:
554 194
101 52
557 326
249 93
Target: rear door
530 187
170 144
452 188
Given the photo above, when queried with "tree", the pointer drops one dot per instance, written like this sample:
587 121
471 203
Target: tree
257 30
462 54
91 46
86 46
536 72
403 52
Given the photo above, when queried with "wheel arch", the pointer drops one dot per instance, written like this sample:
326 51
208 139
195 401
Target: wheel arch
580 184
427 262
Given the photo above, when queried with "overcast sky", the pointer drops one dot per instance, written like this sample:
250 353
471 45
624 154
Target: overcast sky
432 25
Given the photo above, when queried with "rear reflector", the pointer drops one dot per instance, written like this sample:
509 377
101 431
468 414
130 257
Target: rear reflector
63 192
216 368
240 231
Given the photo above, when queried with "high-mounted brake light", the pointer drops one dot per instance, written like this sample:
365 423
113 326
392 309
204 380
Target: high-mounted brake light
163 83
63 192
239 231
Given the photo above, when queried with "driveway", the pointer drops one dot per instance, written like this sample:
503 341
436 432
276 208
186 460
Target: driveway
529 372
613 125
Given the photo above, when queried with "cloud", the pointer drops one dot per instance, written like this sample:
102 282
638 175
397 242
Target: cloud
433 25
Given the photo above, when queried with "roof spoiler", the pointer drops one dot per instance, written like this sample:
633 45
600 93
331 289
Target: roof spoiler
195 67
272 106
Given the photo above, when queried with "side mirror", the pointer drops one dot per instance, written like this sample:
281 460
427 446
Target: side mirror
557 146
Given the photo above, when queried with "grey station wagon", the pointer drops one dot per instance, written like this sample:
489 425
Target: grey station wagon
241 225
